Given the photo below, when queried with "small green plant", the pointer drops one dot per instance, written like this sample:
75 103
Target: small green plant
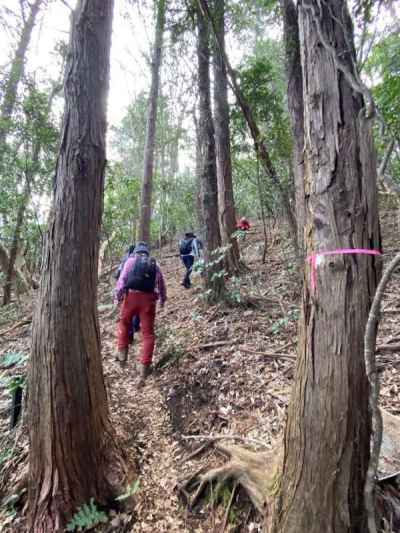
171 355
234 294
13 358
281 323
5 455
87 517
239 234
12 383
196 316
10 502
130 491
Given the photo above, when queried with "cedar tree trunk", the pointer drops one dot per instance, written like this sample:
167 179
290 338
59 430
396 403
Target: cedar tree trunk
259 144
214 279
296 108
15 244
149 147
328 428
70 434
226 203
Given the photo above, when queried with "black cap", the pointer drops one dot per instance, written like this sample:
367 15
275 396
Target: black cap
141 248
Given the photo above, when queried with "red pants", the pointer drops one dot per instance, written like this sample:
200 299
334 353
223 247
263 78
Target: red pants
144 305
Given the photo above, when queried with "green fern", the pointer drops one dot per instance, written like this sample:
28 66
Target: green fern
87 517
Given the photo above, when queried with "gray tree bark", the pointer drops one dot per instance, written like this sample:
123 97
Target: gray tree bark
147 185
259 144
15 244
71 440
226 202
328 427
207 167
296 108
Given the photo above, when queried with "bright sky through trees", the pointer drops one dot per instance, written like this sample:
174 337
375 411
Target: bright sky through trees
132 30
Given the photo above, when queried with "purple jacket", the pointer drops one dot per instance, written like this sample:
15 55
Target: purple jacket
160 288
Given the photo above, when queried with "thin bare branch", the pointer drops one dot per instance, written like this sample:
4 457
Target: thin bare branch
370 364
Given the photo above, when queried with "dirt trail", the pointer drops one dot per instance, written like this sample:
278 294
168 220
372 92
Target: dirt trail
217 370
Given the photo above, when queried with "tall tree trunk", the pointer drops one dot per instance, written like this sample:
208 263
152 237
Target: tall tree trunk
199 194
259 144
147 185
296 108
23 283
328 428
16 73
71 439
208 171
15 244
226 203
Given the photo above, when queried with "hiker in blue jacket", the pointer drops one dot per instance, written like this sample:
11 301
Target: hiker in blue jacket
190 249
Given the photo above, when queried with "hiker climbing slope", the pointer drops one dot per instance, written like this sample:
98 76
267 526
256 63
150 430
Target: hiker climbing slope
135 324
140 285
190 249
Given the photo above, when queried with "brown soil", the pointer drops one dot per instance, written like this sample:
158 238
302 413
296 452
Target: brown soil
217 370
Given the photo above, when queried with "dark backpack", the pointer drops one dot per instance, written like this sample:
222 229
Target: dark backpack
143 275
185 247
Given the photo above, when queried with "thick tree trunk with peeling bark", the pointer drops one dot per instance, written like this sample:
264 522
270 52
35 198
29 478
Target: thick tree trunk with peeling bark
295 106
207 166
328 429
71 441
149 148
226 202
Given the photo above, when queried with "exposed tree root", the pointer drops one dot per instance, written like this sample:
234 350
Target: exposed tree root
256 472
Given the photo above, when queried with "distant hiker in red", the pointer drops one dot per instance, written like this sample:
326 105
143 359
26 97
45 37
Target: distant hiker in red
243 224
139 286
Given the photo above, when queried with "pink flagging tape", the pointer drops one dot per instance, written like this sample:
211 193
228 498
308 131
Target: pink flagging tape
314 259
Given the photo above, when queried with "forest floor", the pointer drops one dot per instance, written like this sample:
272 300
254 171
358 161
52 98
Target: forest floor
218 370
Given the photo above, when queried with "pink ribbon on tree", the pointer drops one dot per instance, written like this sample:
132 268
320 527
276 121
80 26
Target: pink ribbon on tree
314 258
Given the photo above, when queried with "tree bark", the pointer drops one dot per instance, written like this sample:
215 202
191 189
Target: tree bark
71 439
14 245
147 185
259 144
199 194
328 427
22 282
16 73
208 171
296 108
226 203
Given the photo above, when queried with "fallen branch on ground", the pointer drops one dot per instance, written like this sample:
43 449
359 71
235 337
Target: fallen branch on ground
215 438
273 355
16 326
388 348
197 451
213 344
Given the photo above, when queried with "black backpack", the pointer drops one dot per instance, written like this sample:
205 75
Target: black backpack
185 247
143 275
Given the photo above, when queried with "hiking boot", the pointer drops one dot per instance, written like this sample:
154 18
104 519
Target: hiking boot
122 356
144 372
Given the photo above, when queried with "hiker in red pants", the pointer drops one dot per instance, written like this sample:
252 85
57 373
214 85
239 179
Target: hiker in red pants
243 224
139 286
